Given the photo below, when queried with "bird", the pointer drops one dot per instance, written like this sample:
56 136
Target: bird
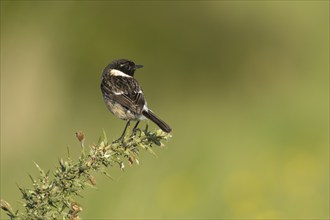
124 96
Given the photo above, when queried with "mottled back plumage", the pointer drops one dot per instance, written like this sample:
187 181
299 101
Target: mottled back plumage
123 95
123 90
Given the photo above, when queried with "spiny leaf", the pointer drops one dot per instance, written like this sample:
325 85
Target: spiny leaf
151 151
105 137
107 174
32 179
38 167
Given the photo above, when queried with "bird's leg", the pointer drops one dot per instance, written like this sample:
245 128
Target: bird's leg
122 135
135 127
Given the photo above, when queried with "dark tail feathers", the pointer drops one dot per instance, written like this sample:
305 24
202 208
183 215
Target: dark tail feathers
150 115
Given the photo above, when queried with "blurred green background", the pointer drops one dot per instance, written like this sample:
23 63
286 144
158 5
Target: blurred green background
243 84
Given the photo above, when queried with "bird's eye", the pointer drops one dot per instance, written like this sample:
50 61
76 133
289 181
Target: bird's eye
121 65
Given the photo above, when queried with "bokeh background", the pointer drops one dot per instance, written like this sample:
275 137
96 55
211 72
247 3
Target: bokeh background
243 84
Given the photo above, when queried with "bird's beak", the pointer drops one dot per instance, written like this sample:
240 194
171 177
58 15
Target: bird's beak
138 66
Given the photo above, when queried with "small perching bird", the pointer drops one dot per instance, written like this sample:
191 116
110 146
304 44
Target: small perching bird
123 95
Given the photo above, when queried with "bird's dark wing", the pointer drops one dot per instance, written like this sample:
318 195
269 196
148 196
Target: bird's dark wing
124 90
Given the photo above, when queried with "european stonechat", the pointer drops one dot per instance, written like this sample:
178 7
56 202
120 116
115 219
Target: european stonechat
123 94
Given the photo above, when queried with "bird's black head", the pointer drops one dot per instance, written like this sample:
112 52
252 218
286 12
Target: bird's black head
126 66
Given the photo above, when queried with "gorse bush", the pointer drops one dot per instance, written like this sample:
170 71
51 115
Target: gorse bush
53 195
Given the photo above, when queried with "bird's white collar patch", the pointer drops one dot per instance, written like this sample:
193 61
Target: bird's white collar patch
115 72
